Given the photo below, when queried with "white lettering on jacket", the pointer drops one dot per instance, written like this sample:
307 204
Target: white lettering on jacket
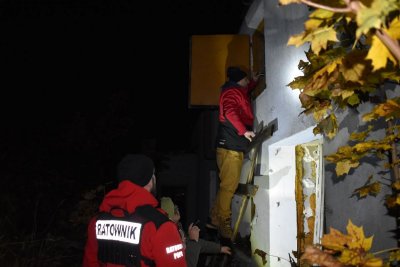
178 255
174 248
118 230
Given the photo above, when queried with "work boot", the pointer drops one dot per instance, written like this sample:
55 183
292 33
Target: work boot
225 228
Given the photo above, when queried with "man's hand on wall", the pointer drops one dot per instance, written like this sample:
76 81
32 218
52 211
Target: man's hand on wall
249 135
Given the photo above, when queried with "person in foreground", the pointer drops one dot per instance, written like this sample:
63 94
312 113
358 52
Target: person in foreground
129 230
194 244
235 132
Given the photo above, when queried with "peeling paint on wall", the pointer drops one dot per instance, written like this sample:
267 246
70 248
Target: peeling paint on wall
308 162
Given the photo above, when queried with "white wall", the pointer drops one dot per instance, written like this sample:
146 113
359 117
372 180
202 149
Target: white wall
274 227
280 102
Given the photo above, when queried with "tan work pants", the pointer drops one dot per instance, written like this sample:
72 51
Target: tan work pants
230 166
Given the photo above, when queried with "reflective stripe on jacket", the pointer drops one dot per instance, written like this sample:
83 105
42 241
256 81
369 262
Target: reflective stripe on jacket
163 245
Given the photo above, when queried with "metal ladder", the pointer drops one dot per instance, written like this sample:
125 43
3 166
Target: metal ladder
248 190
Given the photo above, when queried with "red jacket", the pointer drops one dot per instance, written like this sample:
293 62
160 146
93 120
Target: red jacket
235 106
235 116
163 245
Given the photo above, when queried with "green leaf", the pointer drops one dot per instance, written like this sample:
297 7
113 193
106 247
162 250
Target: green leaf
327 126
374 16
298 83
353 100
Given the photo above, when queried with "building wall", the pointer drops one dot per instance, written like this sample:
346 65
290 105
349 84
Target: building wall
280 102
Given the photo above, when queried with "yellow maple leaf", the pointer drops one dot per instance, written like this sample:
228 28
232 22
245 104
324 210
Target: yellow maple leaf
354 73
357 258
306 100
367 18
319 38
343 152
375 188
357 238
395 255
365 146
347 150
342 93
328 126
396 185
335 240
366 2
318 17
354 66
350 257
369 189
373 262
394 28
369 146
297 39
316 85
353 247
369 116
372 17
343 167
299 82
287 2
388 109
378 53
321 113
361 136
322 14
329 67
312 24
392 201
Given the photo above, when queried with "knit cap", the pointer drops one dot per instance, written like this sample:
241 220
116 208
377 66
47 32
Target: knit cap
136 168
235 74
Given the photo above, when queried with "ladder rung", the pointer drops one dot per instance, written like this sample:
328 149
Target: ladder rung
249 190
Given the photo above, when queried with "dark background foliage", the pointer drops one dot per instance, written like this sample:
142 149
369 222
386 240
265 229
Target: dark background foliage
83 83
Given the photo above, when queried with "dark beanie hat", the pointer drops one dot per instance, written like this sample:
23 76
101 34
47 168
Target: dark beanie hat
235 74
136 168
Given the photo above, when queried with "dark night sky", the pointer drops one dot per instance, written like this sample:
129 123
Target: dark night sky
62 58
80 80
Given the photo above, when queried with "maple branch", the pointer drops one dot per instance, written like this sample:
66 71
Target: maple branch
385 250
354 7
391 44
333 9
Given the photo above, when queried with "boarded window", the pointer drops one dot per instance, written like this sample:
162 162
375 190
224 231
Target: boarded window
209 59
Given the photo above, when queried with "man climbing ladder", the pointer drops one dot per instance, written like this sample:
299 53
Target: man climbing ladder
234 135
